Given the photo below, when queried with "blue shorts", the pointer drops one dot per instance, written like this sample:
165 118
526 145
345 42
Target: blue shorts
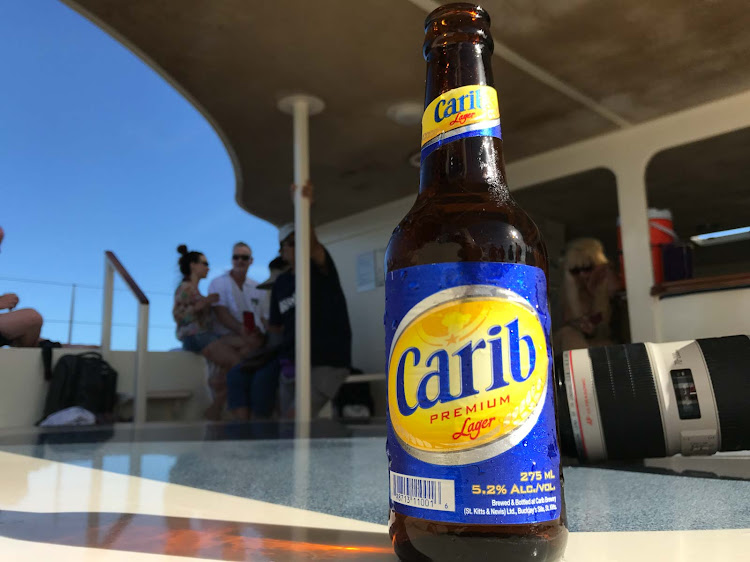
197 342
255 390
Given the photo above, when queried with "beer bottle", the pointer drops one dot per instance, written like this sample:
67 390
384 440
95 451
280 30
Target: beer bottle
474 464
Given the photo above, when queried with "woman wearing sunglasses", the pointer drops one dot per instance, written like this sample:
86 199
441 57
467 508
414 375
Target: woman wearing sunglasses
192 314
588 288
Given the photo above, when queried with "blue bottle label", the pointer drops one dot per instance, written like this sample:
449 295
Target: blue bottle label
471 418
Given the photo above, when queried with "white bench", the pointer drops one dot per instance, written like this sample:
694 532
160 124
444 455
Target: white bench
176 398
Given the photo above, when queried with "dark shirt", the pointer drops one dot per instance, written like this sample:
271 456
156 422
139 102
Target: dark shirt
330 332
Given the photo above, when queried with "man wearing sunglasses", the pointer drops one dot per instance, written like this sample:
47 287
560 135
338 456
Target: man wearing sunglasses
240 307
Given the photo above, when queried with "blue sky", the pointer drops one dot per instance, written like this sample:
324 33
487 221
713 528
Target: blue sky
97 152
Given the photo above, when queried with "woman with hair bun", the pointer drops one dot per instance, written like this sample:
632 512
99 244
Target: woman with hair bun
192 314
192 311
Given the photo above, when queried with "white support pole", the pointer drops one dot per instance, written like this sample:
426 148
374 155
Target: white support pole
301 107
109 291
632 203
302 263
141 378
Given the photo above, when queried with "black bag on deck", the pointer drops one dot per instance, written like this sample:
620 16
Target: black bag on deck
84 380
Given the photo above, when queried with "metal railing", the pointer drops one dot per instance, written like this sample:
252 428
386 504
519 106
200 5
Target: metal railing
112 265
80 297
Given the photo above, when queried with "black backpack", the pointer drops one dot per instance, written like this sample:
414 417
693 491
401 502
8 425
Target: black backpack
84 380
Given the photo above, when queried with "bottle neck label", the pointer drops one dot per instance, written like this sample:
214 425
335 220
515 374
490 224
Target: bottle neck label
468 111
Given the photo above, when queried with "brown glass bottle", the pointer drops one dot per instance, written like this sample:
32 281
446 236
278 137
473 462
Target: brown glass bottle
465 213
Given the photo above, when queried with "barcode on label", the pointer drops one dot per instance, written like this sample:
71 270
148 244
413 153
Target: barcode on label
427 493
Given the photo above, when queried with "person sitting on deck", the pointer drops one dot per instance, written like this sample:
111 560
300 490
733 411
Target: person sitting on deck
239 309
18 328
254 382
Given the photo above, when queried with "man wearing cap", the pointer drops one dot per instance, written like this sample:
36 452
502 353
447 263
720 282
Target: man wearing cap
238 295
330 331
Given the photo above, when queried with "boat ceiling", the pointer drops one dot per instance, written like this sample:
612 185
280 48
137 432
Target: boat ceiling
578 68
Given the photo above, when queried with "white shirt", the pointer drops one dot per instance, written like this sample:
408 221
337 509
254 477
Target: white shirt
238 300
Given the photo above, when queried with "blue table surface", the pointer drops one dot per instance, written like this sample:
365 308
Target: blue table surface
348 477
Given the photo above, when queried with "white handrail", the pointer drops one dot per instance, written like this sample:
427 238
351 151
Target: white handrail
112 265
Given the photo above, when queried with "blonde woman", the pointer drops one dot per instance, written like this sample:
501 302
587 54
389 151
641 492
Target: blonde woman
588 287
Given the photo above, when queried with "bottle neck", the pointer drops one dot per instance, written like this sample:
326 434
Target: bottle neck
472 164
